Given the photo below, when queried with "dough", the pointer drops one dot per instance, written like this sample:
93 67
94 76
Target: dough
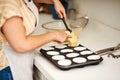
73 40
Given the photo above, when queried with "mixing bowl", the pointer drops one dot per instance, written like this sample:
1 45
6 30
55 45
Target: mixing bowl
76 25
53 26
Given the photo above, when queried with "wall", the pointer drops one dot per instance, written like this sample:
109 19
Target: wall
106 11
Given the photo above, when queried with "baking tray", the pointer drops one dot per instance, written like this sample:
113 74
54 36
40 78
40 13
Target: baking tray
66 57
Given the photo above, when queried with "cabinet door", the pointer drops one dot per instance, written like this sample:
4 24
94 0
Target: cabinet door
37 75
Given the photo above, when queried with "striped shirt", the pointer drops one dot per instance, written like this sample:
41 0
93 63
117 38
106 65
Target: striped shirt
8 9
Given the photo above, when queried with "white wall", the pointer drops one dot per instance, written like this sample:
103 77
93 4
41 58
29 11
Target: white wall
107 11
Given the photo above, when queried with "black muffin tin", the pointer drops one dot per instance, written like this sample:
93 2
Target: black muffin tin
73 64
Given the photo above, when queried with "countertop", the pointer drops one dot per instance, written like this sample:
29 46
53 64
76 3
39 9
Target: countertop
95 36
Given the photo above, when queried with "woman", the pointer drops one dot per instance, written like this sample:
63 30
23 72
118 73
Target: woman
18 19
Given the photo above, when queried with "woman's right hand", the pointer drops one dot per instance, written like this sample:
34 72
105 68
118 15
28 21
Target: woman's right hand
60 36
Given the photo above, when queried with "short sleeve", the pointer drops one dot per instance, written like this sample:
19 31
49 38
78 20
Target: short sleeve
8 9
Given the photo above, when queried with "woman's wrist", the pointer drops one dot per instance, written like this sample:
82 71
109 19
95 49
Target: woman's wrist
52 35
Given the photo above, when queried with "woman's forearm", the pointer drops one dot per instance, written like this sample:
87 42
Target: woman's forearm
15 34
35 41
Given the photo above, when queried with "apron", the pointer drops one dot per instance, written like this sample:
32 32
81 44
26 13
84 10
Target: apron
21 64
33 8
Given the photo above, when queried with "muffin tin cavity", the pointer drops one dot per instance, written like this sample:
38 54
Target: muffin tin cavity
64 62
52 52
58 57
48 48
86 52
66 57
70 55
79 48
60 46
66 50
79 60
93 57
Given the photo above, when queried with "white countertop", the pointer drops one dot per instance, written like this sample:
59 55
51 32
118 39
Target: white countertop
95 36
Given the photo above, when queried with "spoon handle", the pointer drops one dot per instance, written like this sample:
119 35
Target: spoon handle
66 25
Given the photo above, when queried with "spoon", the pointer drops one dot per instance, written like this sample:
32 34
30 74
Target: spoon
66 25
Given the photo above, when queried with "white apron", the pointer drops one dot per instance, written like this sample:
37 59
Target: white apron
21 64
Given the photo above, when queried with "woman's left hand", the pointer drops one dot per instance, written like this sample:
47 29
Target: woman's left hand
60 9
57 4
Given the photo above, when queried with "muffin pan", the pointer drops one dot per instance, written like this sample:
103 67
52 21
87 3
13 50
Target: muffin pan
66 57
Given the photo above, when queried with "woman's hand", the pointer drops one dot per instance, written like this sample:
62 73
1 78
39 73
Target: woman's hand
60 9
60 36
57 4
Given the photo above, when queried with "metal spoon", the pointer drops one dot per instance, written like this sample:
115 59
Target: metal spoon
66 25
109 51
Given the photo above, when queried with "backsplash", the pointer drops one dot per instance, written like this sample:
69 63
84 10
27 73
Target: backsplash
106 11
